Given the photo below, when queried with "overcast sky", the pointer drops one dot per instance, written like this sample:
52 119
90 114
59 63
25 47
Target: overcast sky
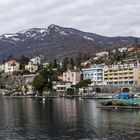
105 17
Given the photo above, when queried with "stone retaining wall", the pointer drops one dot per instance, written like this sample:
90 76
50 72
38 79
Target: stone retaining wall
115 88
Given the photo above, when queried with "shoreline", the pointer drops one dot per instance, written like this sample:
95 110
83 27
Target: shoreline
51 96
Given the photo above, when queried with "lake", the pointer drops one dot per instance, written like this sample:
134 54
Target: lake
65 119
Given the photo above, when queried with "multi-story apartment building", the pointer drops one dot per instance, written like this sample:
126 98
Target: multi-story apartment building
95 73
73 76
127 74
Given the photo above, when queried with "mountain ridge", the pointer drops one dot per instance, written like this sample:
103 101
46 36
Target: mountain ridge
57 42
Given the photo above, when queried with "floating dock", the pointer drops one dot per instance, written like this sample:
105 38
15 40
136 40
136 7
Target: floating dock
119 107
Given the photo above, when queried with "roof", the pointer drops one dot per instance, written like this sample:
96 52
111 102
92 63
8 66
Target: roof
71 71
62 82
11 61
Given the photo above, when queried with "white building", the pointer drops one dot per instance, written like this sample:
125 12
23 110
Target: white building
36 60
101 54
120 49
94 73
61 86
11 66
85 63
31 67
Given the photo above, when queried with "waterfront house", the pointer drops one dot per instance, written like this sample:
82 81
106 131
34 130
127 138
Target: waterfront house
11 66
61 86
95 73
73 76
126 74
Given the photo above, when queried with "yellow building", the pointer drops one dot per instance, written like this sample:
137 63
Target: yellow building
121 75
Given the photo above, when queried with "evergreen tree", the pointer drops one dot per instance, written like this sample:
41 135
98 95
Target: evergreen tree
55 63
83 83
23 61
65 63
72 63
38 83
9 57
79 60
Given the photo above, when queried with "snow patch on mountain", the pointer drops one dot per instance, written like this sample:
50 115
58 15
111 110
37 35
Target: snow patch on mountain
58 30
88 38
10 35
42 30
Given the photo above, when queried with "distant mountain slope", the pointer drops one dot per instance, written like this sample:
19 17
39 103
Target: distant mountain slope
57 42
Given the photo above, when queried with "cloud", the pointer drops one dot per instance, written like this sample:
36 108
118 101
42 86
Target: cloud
105 17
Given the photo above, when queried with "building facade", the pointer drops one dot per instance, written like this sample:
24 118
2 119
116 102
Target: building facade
36 60
2 67
95 73
127 74
28 78
31 67
73 76
101 54
61 86
11 66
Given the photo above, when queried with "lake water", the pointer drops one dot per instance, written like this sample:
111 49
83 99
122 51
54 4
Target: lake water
65 119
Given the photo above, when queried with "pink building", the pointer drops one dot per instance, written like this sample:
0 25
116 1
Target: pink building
73 76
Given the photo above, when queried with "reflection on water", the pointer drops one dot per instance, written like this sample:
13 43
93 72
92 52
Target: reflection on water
60 119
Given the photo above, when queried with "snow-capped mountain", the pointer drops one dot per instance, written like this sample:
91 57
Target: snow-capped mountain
57 42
